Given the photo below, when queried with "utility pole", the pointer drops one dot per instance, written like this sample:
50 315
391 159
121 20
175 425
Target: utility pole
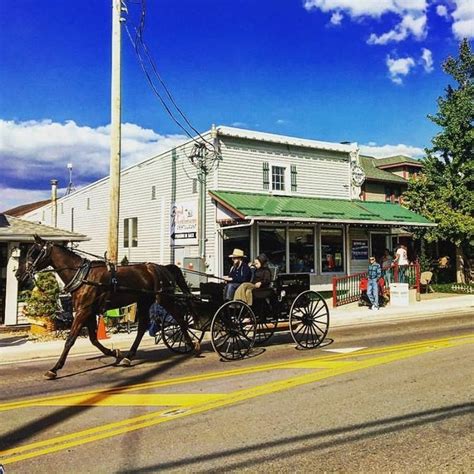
115 133
203 162
54 202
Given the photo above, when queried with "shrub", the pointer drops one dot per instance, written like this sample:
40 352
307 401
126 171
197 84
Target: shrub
43 301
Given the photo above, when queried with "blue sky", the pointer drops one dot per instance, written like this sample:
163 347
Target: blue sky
337 70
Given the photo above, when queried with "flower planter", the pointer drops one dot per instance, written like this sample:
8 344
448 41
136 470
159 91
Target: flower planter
42 326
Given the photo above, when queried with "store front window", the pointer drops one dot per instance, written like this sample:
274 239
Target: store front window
272 242
301 250
235 239
332 250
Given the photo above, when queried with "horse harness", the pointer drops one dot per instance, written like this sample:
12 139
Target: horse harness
81 276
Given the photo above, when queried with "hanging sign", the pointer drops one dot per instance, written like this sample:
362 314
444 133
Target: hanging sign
184 218
360 250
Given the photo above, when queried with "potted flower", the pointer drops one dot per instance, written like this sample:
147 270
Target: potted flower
41 306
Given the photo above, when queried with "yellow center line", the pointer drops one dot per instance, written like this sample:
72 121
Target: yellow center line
137 400
213 401
230 373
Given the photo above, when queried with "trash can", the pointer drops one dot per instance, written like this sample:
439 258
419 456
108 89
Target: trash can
399 294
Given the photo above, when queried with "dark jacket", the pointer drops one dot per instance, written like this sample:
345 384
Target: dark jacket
240 274
262 275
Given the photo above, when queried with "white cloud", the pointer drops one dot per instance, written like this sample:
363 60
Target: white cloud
336 18
382 151
281 122
12 197
239 124
441 10
410 25
463 16
398 68
371 8
41 149
427 60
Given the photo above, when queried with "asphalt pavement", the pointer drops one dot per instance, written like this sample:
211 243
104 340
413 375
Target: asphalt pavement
17 348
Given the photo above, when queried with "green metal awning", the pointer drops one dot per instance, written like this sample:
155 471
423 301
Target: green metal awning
267 207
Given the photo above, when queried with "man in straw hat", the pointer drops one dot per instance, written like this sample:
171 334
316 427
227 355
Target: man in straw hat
238 274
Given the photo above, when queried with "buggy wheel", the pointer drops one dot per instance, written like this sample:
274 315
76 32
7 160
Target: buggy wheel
309 319
173 336
233 330
158 336
266 326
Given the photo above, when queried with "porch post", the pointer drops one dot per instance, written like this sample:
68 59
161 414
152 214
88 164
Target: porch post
11 296
348 250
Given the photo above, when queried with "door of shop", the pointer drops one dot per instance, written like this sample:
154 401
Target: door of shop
378 244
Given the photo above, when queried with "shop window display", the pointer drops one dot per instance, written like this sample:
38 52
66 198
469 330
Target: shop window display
301 250
272 242
332 250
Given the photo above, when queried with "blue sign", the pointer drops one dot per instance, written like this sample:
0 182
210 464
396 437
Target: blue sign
360 250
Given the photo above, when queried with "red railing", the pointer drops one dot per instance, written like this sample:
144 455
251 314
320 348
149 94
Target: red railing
347 289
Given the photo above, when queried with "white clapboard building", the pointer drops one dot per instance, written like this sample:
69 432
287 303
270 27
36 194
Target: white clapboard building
296 200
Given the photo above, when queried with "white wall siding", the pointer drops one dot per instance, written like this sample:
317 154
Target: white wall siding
319 174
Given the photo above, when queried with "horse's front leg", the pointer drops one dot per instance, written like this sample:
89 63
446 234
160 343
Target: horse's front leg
77 325
92 329
143 321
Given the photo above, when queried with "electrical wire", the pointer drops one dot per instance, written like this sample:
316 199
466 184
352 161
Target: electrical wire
145 58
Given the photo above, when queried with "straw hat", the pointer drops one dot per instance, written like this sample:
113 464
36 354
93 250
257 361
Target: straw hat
237 253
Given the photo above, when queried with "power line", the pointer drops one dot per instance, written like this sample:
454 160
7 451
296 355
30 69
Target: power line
141 50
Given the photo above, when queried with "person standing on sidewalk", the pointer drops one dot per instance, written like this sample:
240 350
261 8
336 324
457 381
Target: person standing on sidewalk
401 259
386 264
374 272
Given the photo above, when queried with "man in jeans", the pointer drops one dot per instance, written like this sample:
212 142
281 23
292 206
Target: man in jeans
373 274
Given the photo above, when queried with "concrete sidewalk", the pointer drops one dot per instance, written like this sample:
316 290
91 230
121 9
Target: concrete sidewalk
15 348
352 314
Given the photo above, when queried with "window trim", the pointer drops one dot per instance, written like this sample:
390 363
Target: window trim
287 177
130 232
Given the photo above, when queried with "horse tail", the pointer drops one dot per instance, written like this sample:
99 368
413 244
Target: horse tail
178 277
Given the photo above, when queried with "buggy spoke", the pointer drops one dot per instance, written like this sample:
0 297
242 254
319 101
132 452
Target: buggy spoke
314 323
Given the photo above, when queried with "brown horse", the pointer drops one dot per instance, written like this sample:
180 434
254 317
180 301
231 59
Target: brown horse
95 288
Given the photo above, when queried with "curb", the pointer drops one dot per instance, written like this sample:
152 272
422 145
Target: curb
381 318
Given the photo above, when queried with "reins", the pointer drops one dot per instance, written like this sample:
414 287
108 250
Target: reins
196 272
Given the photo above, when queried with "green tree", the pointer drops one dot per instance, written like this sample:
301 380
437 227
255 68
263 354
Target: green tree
444 191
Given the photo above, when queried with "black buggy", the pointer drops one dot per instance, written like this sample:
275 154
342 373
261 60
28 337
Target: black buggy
288 305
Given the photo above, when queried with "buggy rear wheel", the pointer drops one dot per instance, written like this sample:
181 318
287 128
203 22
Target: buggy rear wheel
233 330
173 336
309 319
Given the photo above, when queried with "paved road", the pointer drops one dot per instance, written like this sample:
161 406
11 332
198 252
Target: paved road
399 398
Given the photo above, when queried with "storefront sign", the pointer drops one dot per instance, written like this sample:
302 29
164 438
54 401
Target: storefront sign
360 250
184 223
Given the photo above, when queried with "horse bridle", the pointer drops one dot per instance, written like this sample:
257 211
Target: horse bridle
44 253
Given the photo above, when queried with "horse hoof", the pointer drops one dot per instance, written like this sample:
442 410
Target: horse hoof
197 348
125 362
118 354
50 375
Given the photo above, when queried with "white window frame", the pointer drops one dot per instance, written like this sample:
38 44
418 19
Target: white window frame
129 224
286 177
